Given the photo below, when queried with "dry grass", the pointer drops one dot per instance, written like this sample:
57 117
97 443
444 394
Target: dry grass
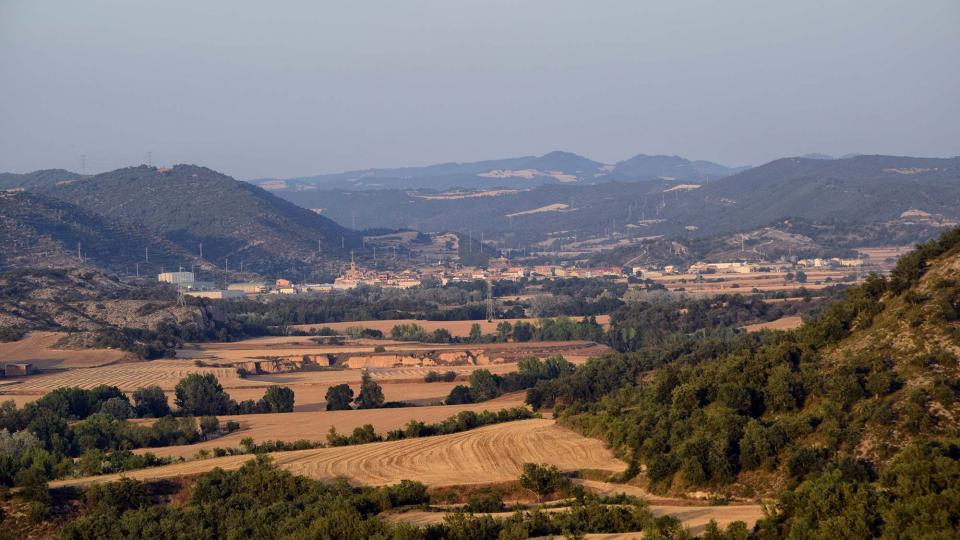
488 454
783 323
313 426
38 349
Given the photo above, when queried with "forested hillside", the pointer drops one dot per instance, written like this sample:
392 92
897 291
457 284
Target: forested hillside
46 177
190 206
41 231
850 420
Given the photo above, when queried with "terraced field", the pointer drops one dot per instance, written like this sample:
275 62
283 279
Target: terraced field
314 426
488 454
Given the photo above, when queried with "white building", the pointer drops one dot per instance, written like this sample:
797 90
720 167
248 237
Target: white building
177 278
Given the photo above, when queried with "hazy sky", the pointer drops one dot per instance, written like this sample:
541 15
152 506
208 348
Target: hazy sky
286 88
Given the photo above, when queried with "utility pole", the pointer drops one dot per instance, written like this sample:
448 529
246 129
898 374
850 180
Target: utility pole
201 250
79 257
146 253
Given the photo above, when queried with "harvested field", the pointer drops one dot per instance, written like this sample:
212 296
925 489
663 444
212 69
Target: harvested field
127 376
38 349
488 454
783 323
312 397
456 328
313 426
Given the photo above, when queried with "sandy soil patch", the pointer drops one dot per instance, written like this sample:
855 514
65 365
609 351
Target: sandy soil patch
488 454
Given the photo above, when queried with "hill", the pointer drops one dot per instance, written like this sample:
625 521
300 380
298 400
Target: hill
46 177
523 172
234 221
852 420
39 231
836 203
857 189
676 168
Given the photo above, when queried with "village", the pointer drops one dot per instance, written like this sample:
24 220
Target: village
702 276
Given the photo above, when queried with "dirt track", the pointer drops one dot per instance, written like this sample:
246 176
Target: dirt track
488 454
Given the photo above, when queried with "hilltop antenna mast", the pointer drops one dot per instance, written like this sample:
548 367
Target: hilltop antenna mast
149 158
146 253
201 250
83 164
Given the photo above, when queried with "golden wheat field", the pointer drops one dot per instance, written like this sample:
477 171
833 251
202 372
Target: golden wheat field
484 455
313 426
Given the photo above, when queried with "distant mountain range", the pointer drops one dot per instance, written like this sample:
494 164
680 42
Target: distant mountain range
528 171
844 191
120 217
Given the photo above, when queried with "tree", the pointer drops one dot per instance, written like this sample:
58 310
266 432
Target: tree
199 395
117 408
150 401
475 332
542 479
504 330
459 395
801 276
483 385
209 425
371 395
522 331
278 399
339 397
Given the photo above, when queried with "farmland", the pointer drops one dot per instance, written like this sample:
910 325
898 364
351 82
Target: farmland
314 426
456 328
480 456
40 349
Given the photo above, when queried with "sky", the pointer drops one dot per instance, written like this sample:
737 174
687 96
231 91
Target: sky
289 88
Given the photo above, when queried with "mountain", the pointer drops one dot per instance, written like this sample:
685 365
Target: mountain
46 177
677 168
234 221
817 155
522 172
43 232
843 202
858 189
